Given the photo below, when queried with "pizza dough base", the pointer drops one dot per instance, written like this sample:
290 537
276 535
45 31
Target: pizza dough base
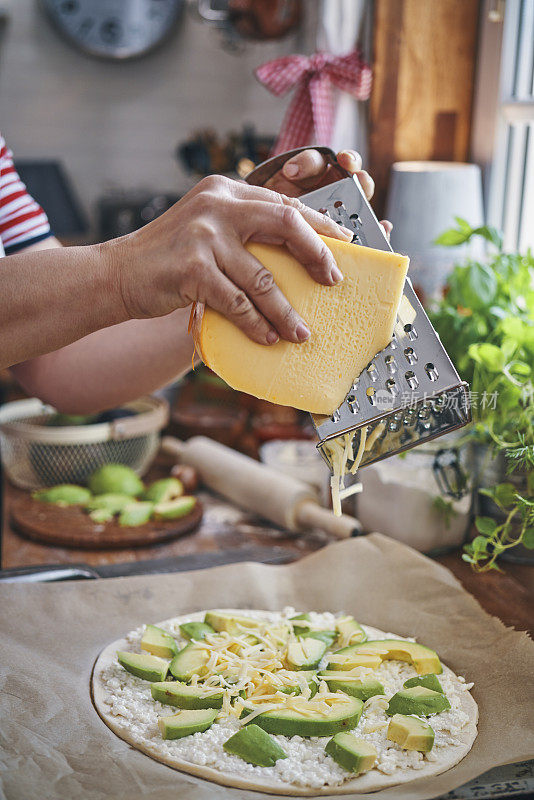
372 781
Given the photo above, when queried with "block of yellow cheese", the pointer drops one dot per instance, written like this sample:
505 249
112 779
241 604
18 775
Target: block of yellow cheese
350 323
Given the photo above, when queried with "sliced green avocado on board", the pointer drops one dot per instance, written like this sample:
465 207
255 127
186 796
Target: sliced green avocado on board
423 658
164 490
175 509
363 688
305 653
195 630
288 722
149 668
254 746
136 513
428 681
352 753
174 693
417 700
191 660
187 722
158 642
66 494
411 733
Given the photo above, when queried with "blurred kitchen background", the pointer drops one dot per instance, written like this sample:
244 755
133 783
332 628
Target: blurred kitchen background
115 108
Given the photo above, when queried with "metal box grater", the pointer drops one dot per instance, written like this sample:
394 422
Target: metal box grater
410 392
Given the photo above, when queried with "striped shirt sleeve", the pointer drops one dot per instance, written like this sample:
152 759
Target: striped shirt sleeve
22 221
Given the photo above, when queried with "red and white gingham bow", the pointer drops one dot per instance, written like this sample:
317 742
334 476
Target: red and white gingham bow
312 107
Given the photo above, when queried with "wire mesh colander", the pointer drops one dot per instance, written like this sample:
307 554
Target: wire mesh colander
35 455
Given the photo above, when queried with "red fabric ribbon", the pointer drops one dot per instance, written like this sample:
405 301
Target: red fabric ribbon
312 108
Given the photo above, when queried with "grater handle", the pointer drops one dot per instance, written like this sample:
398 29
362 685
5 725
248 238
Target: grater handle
264 171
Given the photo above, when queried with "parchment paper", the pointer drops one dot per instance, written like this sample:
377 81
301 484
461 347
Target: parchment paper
55 747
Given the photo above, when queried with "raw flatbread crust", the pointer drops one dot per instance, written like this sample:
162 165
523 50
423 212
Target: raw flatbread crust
368 782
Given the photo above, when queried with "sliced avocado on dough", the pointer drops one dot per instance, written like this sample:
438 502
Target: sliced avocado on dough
66 494
417 700
135 514
423 658
110 502
231 623
347 659
191 660
195 630
158 642
301 675
174 693
328 637
363 688
348 629
352 753
254 746
288 722
305 653
175 509
149 668
164 490
411 733
429 681
299 623
187 722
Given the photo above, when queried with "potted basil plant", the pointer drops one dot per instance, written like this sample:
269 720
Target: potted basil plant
486 322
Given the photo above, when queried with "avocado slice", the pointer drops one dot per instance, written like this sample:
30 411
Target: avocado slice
158 642
417 700
423 658
255 746
187 722
307 675
195 630
109 502
288 722
348 629
66 494
230 623
191 660
101 515
149 668
174 693
135 514
115 479
328 637
352 753
429 681
363 688
305 653
164 490
299 623
346 659
411 733
175 509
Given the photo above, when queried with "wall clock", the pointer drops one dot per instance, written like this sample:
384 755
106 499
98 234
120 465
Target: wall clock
114 29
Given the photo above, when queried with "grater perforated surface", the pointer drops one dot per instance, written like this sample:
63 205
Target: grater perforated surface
410 390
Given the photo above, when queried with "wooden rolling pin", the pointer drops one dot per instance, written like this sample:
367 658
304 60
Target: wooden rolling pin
274 495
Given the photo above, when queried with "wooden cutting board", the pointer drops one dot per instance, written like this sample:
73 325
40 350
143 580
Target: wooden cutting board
72 527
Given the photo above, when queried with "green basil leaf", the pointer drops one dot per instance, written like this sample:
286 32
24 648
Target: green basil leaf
485 525
505 494
482 286
528 538
488 355
452 238
491 235
480 544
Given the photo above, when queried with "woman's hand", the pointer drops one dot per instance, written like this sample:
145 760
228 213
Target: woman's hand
195 252
309 170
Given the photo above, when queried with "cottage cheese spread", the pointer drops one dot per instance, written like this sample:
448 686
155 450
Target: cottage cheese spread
127 705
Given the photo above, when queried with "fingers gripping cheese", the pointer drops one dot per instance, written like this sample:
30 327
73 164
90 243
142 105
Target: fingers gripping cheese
349 324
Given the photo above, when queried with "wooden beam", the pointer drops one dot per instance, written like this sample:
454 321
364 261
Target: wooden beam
424 67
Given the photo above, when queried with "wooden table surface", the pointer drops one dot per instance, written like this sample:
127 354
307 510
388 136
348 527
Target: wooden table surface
508 595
